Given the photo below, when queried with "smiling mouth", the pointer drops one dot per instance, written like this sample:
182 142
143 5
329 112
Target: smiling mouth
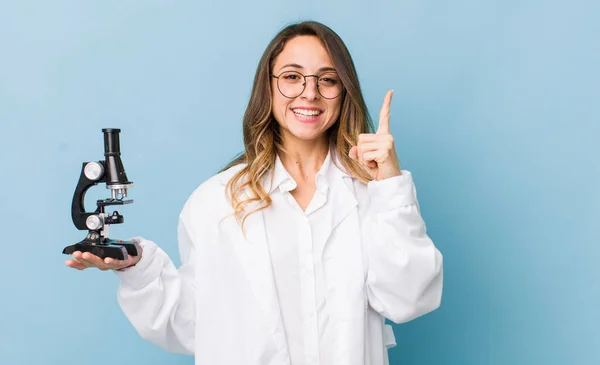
307 114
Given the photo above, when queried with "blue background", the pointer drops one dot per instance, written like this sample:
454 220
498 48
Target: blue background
495 112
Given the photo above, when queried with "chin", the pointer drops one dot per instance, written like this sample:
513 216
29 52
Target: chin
306 132
306 136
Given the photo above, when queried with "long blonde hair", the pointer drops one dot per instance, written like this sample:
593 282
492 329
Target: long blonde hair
262 137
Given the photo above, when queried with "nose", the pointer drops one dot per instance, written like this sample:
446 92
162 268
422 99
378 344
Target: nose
310 88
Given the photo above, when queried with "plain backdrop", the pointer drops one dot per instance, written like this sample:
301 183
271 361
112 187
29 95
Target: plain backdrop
495 112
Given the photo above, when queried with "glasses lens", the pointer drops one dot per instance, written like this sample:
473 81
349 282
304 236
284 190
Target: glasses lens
330 85
291 84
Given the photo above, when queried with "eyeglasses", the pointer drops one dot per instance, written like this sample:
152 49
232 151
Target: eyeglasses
291 84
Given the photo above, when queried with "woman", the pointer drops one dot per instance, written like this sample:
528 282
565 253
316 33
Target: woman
299 249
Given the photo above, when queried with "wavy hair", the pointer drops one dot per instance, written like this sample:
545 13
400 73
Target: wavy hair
262 137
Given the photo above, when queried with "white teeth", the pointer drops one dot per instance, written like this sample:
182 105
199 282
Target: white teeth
307 112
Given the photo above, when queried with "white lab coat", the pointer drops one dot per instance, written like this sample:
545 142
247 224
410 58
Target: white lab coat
221 304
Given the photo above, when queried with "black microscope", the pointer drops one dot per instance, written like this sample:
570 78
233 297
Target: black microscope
112 173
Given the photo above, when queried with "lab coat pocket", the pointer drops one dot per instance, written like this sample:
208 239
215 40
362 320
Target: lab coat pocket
389 340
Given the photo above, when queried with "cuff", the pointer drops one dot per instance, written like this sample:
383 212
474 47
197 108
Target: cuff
393 192
146 270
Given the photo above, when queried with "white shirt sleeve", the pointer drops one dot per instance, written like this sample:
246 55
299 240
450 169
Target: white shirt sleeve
158 299
405 269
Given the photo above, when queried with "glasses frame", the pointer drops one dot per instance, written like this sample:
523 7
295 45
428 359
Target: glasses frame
304 84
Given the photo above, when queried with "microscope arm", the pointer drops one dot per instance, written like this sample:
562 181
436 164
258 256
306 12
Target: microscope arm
78 212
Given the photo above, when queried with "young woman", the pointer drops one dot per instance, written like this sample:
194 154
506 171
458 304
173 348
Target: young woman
298 250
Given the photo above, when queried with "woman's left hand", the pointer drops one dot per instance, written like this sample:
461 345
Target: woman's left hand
376 151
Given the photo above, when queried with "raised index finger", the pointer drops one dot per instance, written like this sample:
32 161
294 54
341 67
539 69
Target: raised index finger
384 114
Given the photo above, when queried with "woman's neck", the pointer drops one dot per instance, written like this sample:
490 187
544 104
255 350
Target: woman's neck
302 159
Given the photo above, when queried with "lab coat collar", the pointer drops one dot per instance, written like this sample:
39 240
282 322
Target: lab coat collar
279 178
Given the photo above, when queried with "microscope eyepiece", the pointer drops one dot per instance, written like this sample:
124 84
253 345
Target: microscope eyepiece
111 141
116 178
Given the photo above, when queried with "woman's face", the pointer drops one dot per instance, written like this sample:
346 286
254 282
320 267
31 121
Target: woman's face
308 115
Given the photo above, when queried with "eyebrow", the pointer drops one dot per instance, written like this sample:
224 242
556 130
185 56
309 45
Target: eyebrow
295 65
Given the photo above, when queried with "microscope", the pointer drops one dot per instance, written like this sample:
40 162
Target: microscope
112 173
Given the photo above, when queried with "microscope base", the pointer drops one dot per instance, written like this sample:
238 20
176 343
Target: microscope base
117 249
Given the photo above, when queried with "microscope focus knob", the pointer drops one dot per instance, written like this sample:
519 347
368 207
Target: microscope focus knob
93 170
93 222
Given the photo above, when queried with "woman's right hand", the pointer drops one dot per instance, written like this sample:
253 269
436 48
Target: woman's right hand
86 260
